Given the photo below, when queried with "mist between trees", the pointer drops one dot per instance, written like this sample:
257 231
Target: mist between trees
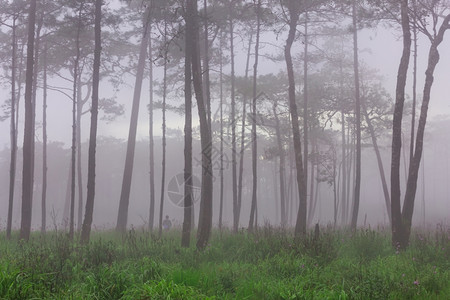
240 113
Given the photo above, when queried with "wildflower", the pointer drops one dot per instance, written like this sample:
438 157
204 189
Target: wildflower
403 275
416 282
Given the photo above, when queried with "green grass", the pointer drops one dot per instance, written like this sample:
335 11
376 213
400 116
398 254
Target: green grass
268 264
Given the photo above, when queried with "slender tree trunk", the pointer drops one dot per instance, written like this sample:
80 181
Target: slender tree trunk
414 96
236 206
151 215
344 170
241 151
27 181
311 191
206 61
335 192
300 226
205 215
66 212
356 196
19 91
163 163
206 89
37 50
252 222
13 129
74 126
387 198
79 167
221 142
86 229
411 187
188 193
305 110
398 232
282 165
129 159
275 191
44 147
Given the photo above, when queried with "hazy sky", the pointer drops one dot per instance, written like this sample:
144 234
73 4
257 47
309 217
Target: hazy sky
380 49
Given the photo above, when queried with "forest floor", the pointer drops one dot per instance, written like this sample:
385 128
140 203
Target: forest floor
267 264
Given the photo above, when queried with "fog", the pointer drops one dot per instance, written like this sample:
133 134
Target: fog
380 50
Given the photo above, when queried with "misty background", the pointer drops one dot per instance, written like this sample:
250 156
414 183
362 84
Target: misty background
380 49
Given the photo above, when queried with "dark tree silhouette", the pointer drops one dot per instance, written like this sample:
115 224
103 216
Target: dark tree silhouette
86 229
27 175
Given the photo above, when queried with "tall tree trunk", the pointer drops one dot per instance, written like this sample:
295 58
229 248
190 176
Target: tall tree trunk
27 181
206 86
131 144
300 226
205 215
151 215
13 129
387 198
398 232
414 96
163 163
236 206
206 90
37 50
86 229
221 142
188 201
74 125
44 147
335 192
237 213
19 90
356 196
281 166
344 170
78 160
305 110
311 191
252 223
411 187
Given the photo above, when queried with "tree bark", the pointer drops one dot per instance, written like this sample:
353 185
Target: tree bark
411 187
300 226
163 163
236 206
131 144
205 215
221 143
237 213
305 110
414 96
281 166
356 196
86 229
80 103
27 180
252 222
188 201
44 147
151 215
344 170
13 131
398 234
74 125
387 198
